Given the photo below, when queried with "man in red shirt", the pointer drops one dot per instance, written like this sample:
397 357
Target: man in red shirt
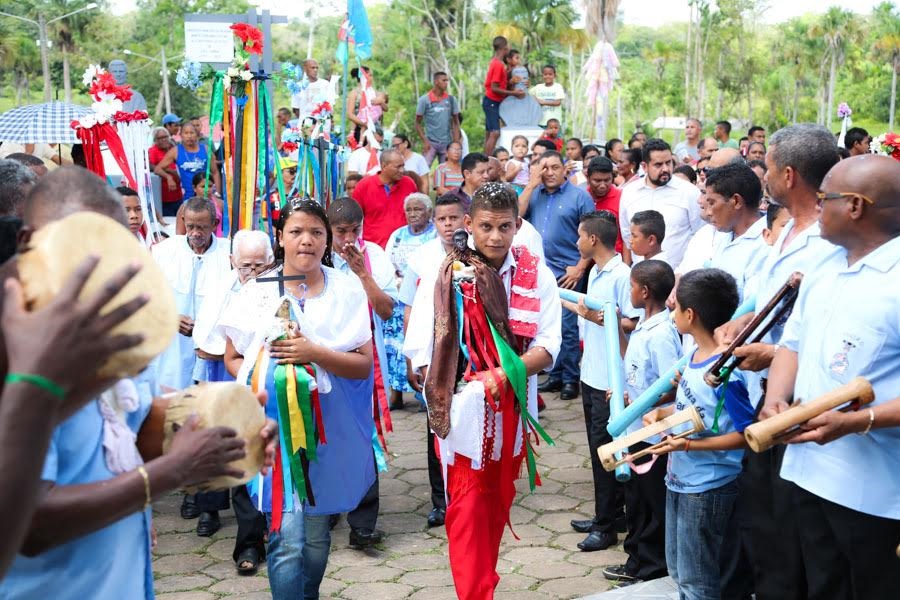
604 194
494 92
381 197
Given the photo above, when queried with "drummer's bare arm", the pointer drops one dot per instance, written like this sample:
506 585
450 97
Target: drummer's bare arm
72 511
536 359
233 360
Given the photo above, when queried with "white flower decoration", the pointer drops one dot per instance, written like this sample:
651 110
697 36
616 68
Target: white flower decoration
232 72
226 81
246 75
90 73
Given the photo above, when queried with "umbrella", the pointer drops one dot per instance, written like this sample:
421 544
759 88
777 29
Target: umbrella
47 123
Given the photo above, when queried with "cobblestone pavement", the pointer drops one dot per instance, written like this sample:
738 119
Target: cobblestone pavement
412 562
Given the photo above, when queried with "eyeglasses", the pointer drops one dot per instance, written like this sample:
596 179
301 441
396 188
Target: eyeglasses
246 270
823 196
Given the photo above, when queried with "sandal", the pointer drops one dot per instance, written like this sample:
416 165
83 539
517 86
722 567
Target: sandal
247 561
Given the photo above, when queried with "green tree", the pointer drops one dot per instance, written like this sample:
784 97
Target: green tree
887 47
838 28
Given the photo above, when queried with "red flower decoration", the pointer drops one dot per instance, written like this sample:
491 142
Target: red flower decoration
250 36
128 117
892 139
290 146
106 83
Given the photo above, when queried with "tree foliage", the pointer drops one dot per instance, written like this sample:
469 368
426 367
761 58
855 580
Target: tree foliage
722 62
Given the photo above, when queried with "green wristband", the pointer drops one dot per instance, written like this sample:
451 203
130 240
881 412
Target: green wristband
37 381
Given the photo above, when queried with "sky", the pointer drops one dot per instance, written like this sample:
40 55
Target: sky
651 13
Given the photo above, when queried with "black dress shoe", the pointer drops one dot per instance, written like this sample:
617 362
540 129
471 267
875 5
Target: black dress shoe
582 525
551 385
569 391
436 517
208 524
597 541
333 520
365 538
189 508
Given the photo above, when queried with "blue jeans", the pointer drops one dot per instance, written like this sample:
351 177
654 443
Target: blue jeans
298 555
699 540
566 367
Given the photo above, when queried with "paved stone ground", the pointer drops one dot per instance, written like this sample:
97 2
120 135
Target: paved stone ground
412 562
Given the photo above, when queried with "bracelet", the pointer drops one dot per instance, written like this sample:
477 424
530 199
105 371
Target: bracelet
146 477
687 444
37 381
871 422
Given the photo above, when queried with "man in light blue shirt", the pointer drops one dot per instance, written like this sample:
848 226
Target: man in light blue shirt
733 192
846 324
799 157
554 207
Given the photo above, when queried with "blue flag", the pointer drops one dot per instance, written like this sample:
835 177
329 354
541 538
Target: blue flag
361 32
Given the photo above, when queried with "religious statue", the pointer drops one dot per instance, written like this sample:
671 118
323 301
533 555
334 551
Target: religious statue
120 72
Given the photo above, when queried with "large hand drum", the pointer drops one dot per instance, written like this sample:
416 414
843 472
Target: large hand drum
221 405
58 248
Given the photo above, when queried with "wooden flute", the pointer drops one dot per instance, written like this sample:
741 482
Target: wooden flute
785 297
782 427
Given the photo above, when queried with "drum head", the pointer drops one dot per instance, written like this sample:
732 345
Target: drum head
58 248
221 405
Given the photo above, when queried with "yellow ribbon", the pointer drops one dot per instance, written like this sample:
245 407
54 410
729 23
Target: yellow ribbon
298 431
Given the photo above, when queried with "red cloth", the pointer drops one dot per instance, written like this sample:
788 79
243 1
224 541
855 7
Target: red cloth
156 155
382 208
475 521
610 202
557 141
496 74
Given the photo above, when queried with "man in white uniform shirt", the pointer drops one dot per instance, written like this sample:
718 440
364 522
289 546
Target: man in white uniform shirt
673 197
193 264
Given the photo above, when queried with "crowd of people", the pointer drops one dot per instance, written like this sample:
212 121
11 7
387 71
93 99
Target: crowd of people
440 285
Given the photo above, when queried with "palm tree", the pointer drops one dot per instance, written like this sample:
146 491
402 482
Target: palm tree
600 19
535 23
66 31
887 46
838 29
19 56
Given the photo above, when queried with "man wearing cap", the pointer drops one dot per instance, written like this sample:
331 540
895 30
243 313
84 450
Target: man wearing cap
172 123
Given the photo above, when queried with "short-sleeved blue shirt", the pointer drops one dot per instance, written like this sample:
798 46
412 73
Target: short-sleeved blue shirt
113 562
556 217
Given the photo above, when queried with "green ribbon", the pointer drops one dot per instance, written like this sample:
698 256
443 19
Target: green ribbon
720 405
304 398
266 109
216 111
516 374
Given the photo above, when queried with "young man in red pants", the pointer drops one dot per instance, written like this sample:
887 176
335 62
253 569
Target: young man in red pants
480 376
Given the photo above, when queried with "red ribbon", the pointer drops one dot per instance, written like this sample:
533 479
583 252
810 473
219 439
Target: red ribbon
91 137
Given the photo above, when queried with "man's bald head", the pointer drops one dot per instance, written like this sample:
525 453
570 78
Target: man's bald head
724 156
848 219
68 190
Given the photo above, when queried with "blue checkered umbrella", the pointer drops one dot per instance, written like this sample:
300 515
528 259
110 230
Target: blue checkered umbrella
47 123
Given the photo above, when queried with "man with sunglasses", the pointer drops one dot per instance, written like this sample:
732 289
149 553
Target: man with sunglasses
846 324
798 159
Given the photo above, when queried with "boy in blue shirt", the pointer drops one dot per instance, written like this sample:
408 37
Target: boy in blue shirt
652 349
703 469
607 280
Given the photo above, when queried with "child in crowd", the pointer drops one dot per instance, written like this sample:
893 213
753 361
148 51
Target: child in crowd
608 279
350 183
701 535
551 133
518 75
517 166
648 230
777 217
651 350
501 154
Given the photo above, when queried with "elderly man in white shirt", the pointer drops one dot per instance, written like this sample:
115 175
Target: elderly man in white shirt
673 197
193 265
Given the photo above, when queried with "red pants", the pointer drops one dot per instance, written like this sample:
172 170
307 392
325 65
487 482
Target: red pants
475 520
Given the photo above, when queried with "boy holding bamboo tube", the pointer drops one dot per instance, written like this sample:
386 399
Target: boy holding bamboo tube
608 280
701 535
